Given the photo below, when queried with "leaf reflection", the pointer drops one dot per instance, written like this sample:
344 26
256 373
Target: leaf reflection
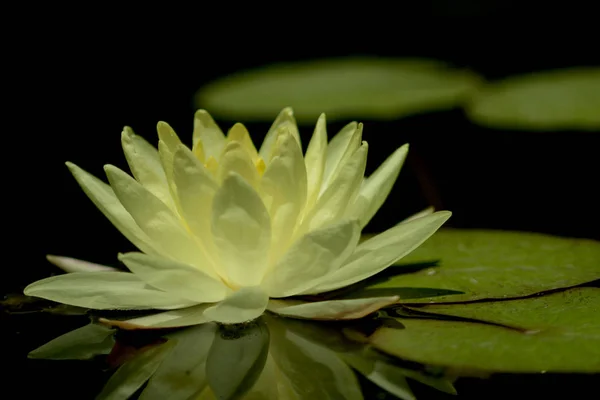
269 358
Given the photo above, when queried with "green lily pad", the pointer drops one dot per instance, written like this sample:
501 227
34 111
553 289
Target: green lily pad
342 88
561 99
487 264
555 333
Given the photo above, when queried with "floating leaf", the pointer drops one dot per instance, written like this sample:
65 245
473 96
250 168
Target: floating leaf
236 359
341 88
561 99
79 344
556 333
498 264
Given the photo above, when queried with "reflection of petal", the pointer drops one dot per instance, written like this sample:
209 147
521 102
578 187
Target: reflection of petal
311 371
332 309
81 344
181 375
134 373
170 319
236 359
269 385
382 374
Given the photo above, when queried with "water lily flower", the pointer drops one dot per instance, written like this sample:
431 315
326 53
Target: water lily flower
226 231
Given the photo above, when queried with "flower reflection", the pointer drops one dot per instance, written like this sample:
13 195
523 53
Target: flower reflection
268 358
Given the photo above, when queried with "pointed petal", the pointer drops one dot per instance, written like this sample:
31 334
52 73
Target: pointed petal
315 161
145 165
241 230
423 213
311 258
209 133
379 252
156 219
332 204
331 309
167 146
283 190
173 277
167 135
235 159
240 134
196 189
104 290
244 305
339 149
104 198
377 187
68 264
187 316
285 119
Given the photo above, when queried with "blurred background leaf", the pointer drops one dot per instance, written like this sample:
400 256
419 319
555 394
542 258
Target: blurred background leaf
345 88
552 100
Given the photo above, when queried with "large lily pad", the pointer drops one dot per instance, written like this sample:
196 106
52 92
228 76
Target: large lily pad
487 264
562 99
555 333
341 88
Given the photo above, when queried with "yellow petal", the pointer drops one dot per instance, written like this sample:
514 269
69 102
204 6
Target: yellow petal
332 204
209 133
331 309
167 146
315 162
103 197
241 229
283 189
195 190
311 258
156 220
286 120
381 251
187 316
167 135
145 165
198 151
239 133
341 146
243 305
235 159
174 277
377 187
68 264
423 213
104 290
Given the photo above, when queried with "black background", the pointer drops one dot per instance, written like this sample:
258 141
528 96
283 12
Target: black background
74 77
